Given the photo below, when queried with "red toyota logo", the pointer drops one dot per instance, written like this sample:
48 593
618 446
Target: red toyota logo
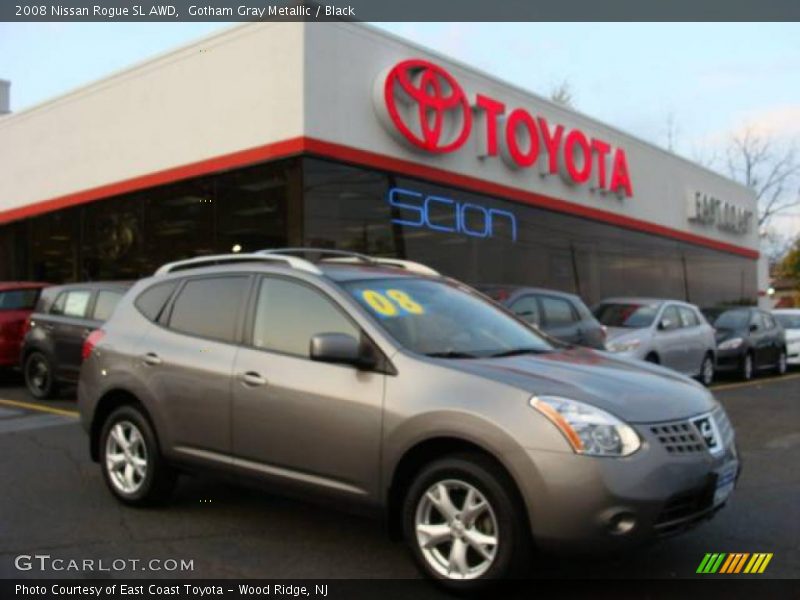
427 106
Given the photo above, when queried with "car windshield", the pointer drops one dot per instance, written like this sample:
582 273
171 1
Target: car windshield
18 299
441 319
732 319
788 321
626 314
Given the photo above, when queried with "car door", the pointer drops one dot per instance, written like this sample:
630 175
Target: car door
66 326
760 340
669 340
295 419
187 362
560 319
775 336
694 341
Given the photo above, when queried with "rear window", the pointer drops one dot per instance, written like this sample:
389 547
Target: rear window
209 307
19 299
151 302
105 304
626 314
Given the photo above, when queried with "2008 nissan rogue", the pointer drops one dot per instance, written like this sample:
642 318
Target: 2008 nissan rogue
383 383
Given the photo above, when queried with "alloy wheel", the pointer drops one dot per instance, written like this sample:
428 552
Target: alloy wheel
748 366
38 374
456 529
782 365
708 371
126 457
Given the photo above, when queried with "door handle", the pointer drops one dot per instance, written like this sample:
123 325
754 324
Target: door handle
252 379
152 359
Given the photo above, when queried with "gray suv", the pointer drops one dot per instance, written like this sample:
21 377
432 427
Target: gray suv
402 391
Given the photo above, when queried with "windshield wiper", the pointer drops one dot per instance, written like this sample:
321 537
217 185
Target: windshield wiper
450 354
519 351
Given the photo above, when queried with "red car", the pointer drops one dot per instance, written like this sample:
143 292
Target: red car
17 299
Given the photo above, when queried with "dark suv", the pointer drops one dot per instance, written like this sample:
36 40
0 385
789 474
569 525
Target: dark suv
561 315
64 316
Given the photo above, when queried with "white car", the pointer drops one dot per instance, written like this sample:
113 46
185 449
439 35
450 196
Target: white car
789 318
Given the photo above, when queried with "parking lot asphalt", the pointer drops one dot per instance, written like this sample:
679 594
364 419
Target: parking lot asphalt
54 502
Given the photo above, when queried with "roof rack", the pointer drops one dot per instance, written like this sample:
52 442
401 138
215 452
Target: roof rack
219 259
321 252
347 257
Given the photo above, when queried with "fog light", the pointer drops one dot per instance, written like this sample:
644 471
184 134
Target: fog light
621 523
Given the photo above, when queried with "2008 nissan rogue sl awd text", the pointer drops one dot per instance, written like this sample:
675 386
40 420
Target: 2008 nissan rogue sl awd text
380 382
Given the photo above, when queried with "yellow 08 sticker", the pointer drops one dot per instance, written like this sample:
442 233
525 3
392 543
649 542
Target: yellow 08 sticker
405 301
387 304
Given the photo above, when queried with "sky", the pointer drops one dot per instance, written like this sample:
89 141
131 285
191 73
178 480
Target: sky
709 80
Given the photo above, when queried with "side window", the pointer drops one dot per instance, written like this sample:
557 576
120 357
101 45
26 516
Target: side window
18 299
557 311
527 309
105 304
671 319
688 318
71 303
152 301
58 305
208 307
289 314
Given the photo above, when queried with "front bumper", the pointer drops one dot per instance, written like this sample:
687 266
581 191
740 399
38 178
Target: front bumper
590 504
729 360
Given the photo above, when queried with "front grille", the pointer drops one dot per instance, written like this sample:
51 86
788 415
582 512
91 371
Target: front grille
679 437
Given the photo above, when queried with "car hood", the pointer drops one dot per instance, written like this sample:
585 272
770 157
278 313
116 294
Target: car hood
632 390
613 333
722 334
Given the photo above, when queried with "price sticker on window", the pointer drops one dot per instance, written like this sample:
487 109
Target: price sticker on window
391 303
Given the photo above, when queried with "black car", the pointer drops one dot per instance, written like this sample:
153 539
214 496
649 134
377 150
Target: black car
748 340
560 315
64 316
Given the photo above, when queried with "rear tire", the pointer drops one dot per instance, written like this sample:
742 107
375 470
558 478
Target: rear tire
748 367
464 524
39 376
782 365
707 370
131 461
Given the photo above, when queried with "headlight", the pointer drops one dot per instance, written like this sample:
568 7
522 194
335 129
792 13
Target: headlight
731 344
623 346
588 430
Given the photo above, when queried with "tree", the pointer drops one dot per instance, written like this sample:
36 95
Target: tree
758 161
790 265
562 94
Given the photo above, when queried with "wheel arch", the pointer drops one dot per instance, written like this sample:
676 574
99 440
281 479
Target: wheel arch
422 453
108 403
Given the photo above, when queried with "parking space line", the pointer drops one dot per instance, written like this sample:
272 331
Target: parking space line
731 386
40 408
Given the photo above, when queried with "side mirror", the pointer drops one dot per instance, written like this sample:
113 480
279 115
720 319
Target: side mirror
753 327
664 324
340 348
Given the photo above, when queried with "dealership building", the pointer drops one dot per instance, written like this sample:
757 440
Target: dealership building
338 135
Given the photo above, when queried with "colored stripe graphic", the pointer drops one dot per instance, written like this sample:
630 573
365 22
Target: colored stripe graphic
733 563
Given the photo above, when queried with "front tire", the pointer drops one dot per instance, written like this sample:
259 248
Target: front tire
463 524
40 376
130 459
